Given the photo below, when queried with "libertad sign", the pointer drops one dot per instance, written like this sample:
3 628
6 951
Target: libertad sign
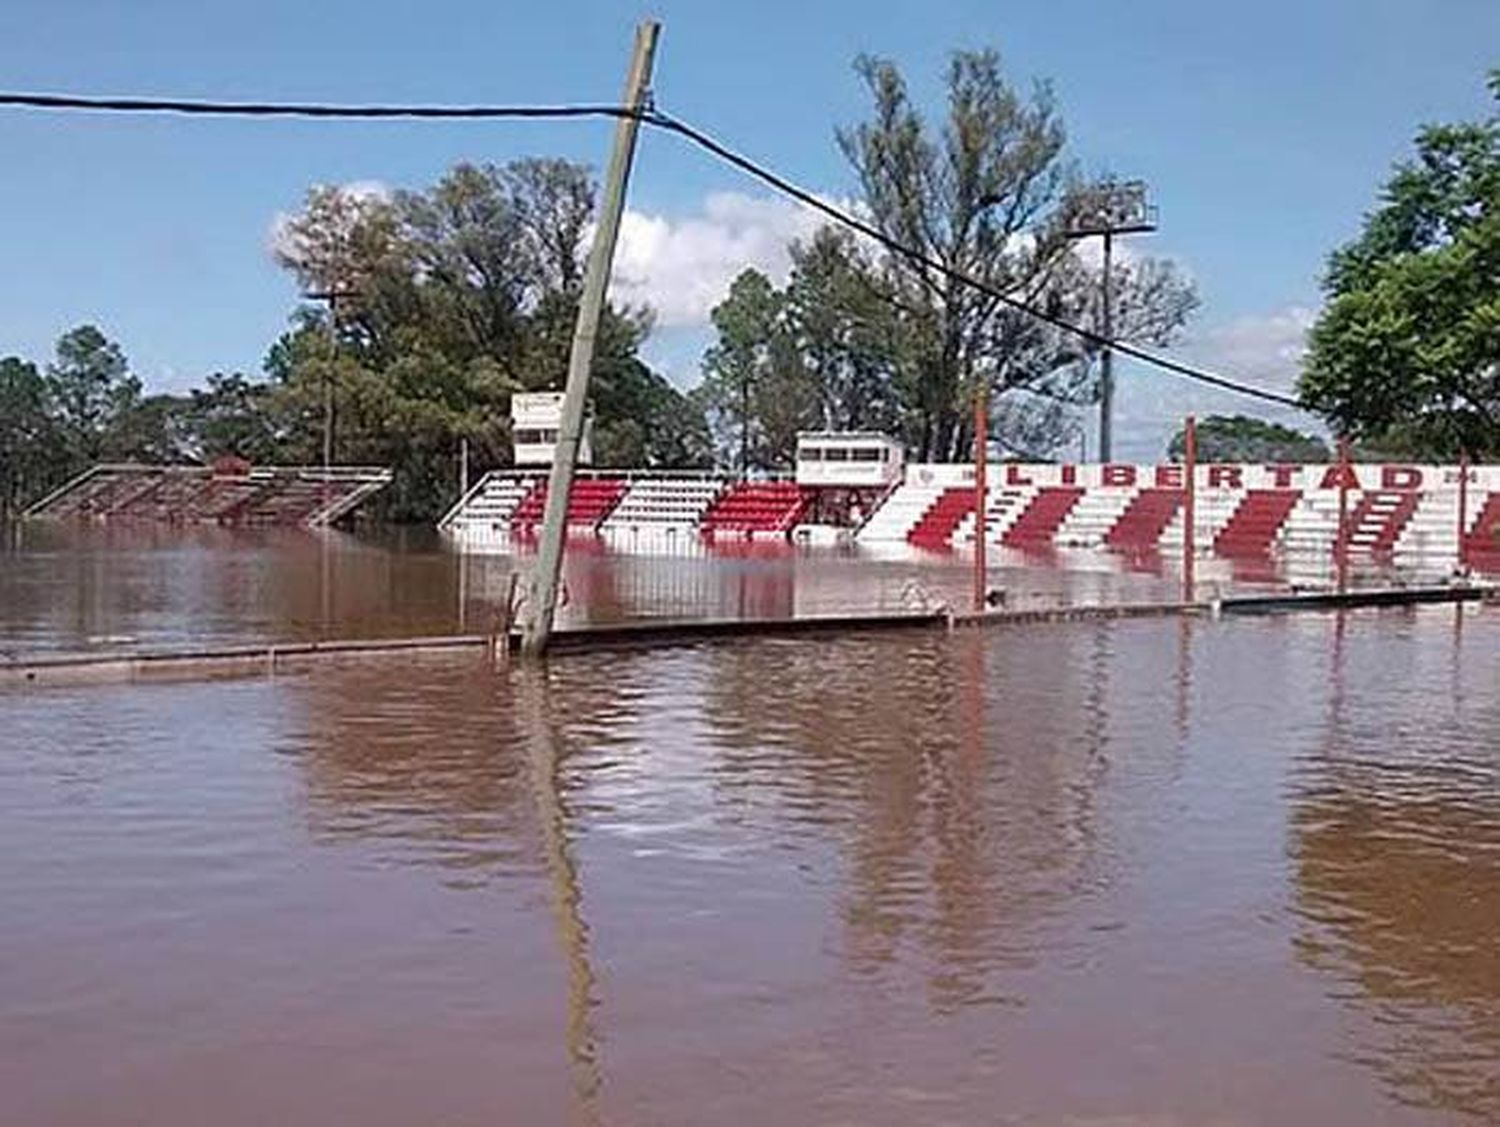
1119 475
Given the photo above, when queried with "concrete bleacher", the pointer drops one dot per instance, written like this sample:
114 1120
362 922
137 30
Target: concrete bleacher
669 504
755 508
1095 517
590 501
901 510
1003 507
490 504
262 495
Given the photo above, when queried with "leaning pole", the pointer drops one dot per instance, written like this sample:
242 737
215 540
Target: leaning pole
541 603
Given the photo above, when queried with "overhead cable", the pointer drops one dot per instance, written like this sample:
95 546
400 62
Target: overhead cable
661 121
912 254
302 109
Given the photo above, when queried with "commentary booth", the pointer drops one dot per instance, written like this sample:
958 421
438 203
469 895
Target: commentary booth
861 459
535 417
845 474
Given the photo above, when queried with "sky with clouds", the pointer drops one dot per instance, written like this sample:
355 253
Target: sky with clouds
1263 129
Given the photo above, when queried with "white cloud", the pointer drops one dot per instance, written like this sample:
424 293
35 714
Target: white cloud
682 266
1264 350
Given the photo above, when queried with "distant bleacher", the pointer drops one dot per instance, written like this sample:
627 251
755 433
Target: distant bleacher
230 492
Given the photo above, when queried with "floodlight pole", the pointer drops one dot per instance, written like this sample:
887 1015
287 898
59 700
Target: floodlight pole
1118 209
542 601
1107 362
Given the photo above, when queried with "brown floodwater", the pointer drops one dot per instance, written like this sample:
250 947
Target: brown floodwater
1144 872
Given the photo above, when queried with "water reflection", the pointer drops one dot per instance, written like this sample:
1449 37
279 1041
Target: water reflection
546 749
965 812
1152 871
77 587
1396 838
428 759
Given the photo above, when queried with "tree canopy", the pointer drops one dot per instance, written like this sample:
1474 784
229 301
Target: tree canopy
425 311
1406 352
1240 438
440 305
864 338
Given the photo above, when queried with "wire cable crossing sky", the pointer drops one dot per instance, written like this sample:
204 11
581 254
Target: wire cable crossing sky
652 117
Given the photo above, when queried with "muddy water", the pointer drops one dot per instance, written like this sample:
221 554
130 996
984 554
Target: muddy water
125 586
1148 872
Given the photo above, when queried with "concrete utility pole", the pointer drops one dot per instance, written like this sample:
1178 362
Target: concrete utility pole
542 600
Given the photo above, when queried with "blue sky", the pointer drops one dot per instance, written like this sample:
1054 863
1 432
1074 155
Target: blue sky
1263 129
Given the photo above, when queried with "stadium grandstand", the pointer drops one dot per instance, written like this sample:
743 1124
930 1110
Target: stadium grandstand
228 492
1407 515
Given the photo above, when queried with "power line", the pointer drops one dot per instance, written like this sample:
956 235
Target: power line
662 121
911 254
300 109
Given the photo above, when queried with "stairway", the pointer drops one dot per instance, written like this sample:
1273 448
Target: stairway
1255 524
937 525
1039 523
1141 526
1377 522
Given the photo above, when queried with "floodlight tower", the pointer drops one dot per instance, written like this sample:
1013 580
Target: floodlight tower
1109 209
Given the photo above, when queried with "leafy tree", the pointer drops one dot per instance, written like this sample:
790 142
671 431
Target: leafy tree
89 387
988 193
842 334
642 420
756 394
1240 438
865 338
30 459
156 429
449 301
1406 352
233 415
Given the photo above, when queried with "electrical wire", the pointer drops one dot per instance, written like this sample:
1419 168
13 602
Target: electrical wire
911 254
302 109
661 121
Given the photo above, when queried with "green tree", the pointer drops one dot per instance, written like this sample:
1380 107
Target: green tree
844 338
1240 438
234 415
449 300
642 420
30 460
987 192
1406 352
154 429
89 389
755 392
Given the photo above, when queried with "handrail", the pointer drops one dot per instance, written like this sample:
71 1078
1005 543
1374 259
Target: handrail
35 509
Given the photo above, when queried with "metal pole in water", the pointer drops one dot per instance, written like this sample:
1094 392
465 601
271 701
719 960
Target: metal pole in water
1341 547
542 604
1463 510
981 457
1190 508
